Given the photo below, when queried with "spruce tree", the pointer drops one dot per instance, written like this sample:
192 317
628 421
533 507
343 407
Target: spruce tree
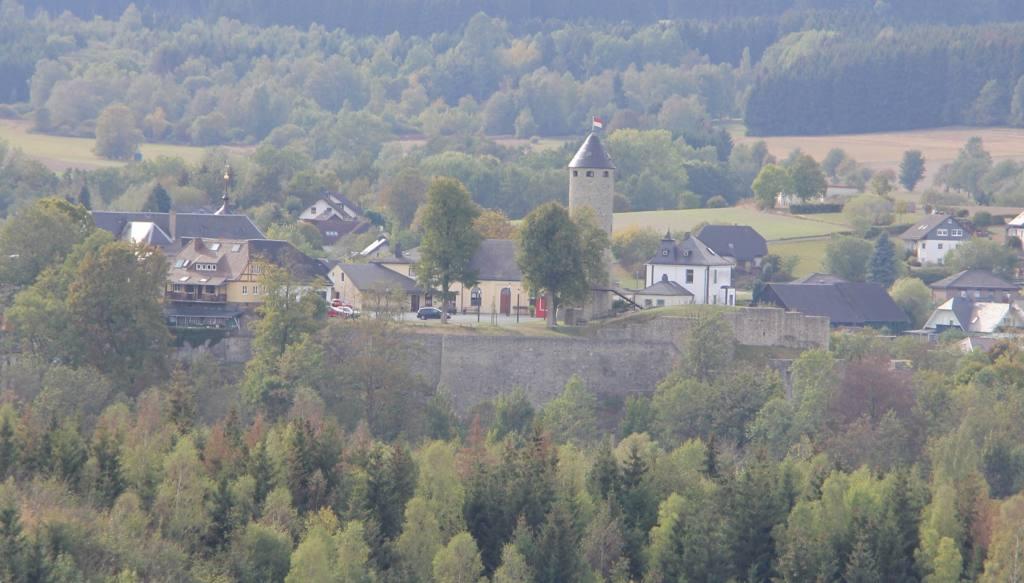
158 200
12 544
8 448
110 480
84 197
860 566
882 265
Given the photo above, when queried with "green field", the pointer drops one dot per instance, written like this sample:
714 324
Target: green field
772 226
810 254
60 152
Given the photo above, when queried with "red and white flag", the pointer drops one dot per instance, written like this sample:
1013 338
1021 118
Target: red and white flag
598 123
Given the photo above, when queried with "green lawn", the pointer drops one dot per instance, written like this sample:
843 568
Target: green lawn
772 226
810 254
60 152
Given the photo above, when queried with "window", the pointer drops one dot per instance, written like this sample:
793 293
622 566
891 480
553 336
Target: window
661 303
942 233
214 246
332 233
255 290
958 232
179 263
257 268
236 247
716 276
647 303
689 276
607 174
575 172
924 245
245 290
475 297
183 278
590 173
664 252
940 246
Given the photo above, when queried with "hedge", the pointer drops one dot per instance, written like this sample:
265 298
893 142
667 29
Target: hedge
813 209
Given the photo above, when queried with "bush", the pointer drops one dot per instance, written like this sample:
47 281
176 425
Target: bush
812 209
982 219
716 202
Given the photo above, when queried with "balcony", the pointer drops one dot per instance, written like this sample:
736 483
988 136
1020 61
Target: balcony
194 296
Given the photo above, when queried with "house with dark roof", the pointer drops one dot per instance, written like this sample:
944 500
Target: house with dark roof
979 285
377 287
172 231
335 216
820 279
696 267
975 317
845 304
662 293
499 288
739 243
213 279
931 239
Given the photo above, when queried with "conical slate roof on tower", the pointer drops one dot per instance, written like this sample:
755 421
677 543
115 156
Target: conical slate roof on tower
592 155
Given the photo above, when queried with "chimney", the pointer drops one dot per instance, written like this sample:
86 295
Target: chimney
199 244
172 225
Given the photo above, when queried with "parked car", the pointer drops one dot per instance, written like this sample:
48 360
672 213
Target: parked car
343 311
431 313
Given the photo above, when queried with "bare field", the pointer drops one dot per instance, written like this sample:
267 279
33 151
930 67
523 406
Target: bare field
884 150
59 153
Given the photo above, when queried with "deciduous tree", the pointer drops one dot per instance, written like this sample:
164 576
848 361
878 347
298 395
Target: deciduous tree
911 169
449 239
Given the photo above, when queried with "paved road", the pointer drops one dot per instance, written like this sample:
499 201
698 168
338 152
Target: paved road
484 320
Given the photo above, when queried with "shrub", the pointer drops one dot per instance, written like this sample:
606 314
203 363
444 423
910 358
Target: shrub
812 209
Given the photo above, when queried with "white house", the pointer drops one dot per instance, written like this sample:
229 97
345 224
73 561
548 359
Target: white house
975 317
1015 228
934 237
695 267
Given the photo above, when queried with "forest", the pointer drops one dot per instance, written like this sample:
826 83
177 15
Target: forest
326 458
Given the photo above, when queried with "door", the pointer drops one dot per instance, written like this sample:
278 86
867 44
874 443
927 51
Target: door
506 301
415 302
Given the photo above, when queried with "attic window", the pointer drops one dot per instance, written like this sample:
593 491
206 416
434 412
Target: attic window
236 247
204 279
183 278
214 246
179 263
664 252
942 232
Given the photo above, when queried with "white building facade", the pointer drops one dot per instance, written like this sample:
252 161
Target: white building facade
694 266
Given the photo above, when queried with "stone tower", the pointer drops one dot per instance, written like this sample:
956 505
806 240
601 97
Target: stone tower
592 186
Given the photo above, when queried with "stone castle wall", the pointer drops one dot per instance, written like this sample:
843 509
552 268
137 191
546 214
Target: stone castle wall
617 359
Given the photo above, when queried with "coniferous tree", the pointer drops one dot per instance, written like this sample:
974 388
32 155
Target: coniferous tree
860 566
12 543
8 448
911 169
158 201
110 480
882 265
84 197
558 555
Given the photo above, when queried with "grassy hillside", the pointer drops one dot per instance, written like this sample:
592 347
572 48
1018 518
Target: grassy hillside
59 152
772 226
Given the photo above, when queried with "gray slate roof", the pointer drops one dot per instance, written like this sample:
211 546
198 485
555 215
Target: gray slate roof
664 287
925 226
820 279
286 255
689 251
592 155
495 260
844 304
974 279
738 241
187 225
373 276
